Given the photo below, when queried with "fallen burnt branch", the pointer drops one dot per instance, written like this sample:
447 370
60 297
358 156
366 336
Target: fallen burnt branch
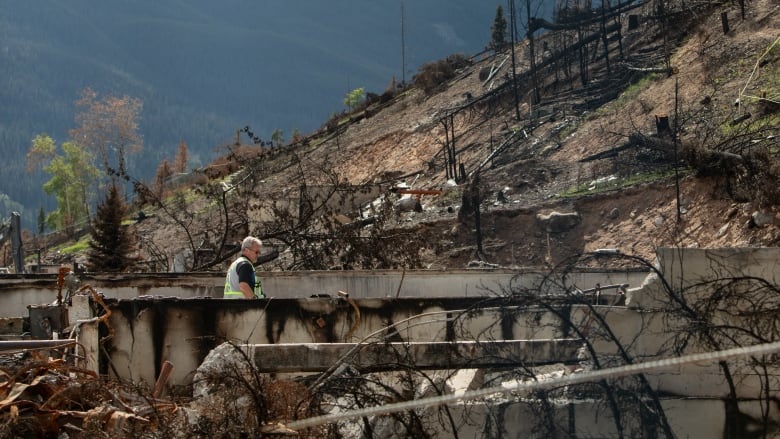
635 140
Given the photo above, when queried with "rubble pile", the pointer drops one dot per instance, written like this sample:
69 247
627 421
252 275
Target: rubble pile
47 397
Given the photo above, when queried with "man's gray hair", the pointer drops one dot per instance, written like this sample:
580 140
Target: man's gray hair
249 241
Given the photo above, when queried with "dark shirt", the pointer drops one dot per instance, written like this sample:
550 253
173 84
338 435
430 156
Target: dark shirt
246 273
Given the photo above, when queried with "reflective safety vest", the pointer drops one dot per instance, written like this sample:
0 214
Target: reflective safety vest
231 281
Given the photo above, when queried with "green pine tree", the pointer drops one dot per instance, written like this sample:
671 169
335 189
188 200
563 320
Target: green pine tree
111 243
498 35
354 98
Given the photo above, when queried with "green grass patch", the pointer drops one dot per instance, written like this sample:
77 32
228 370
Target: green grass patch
633 90
612 183
762 123
629 95
79 246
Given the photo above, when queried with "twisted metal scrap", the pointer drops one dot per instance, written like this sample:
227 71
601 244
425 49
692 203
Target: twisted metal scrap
63 271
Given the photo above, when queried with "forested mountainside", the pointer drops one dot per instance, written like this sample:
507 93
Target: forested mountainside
203 70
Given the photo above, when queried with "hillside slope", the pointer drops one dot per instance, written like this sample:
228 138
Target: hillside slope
202 71
594 152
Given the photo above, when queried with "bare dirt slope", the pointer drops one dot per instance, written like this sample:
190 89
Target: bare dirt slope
710 67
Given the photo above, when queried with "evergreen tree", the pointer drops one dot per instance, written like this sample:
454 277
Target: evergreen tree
498 36
111 244
41 221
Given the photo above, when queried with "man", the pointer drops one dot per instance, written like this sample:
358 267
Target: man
241 281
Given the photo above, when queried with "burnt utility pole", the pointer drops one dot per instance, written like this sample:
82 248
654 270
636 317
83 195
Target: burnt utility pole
403 46
513 33
532 54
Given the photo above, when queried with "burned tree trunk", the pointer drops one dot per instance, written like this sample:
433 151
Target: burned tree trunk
451 167
476 201
583 51
532 54
470 206
604 37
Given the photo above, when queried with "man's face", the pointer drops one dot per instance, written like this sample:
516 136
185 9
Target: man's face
253 253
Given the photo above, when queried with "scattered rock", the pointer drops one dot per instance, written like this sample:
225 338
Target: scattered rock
208 376
614 213
557 222
722 231
761 219
409 204
222 381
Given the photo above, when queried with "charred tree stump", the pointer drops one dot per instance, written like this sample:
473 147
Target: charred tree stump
662 124
633 21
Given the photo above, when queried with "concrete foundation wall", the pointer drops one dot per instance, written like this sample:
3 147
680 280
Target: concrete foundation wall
19 291
684 267
151 330
183 331
451 306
